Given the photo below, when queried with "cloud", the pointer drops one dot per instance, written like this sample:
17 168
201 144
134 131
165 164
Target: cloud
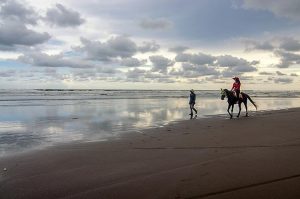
287 8
139 75
15 11
280 73
265 73
278 43
14 19
7 47
160 63
287 59
208 65
254 45
85 75
149 47
283 80
230 61
63 17
136 74
155 24
294 75
235 66
132 62
290 44
189 70
178 49
45 60
15 33
200 58
50 71
7 73
115 47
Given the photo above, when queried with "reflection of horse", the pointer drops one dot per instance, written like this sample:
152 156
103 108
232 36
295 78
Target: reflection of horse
233 100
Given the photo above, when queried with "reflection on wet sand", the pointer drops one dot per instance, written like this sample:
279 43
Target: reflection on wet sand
37 126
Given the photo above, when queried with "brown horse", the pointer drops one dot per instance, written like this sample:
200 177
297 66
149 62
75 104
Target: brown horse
232 99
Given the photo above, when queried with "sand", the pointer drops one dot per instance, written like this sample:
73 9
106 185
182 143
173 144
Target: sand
253 157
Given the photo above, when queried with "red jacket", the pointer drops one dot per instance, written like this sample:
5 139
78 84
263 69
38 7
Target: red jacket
236 86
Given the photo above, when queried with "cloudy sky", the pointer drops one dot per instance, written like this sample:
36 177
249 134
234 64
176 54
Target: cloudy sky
149 44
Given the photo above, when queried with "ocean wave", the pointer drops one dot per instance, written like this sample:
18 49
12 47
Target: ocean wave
96 94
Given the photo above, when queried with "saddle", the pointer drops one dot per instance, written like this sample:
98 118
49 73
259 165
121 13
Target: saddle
240 96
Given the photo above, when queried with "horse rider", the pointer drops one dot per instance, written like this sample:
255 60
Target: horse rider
236 87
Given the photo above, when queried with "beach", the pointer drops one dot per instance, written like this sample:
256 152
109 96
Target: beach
247 157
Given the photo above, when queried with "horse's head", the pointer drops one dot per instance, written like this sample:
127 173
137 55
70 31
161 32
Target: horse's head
223 94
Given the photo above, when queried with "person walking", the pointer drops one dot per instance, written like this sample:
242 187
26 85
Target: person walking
192 102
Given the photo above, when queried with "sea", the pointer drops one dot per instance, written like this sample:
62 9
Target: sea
39 118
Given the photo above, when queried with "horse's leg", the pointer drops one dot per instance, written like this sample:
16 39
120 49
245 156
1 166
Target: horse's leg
228 110
239 109
232 110
246 107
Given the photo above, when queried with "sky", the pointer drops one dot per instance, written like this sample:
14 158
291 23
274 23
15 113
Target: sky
149 44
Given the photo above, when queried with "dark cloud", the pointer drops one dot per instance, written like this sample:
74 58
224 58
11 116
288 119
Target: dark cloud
107 70
265 73
235 66
208 65
287 59
7 48
199 59
283 80
279 43
200 69
290 44
254 45
132 62
115 47
149 47
61 16
189 70
178 49
16 11
280 73
48 71
155 24
294 75
45 60
15 33
160 63
7 73
166 80
230 61
136 74
85 75
288 8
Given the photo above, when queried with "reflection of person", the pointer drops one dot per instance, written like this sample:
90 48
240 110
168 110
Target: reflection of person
236 86
192 101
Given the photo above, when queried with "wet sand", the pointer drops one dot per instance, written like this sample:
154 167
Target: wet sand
254 157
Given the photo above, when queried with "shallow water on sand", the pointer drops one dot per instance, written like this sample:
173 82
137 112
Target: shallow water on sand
36 124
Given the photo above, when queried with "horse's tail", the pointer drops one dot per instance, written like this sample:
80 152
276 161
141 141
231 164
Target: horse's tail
254 104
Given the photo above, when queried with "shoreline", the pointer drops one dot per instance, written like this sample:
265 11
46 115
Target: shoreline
254 157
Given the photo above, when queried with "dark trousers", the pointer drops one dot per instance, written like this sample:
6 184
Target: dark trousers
192 108
237 93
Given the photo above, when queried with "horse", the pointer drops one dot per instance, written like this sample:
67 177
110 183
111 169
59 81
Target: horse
232 99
